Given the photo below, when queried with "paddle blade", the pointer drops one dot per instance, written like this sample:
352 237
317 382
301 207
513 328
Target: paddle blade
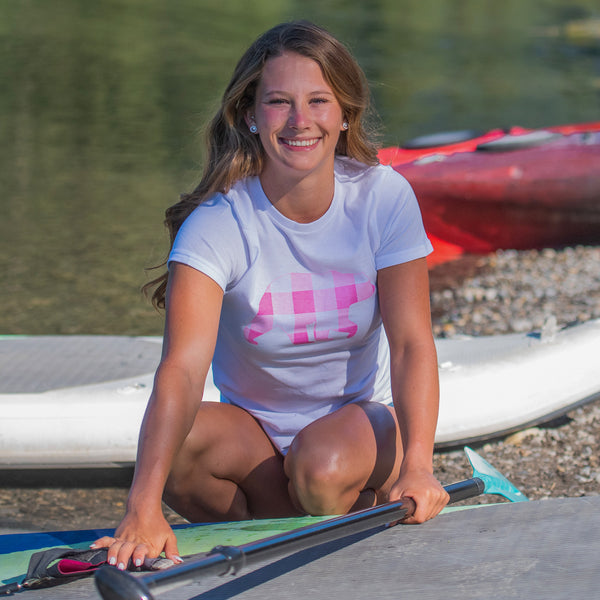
494 481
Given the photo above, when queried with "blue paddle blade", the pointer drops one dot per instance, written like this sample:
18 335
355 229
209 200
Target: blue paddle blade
494 481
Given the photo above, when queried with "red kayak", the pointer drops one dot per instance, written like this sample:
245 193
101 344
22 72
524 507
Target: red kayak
516 188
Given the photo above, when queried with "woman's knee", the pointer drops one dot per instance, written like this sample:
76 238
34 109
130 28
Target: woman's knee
310 462
334 460
319 475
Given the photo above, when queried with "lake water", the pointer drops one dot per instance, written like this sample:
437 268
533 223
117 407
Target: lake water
102 104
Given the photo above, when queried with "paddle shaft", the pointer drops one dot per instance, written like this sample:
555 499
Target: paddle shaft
114 584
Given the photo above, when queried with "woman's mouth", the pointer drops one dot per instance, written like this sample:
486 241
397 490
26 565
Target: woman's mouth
305 143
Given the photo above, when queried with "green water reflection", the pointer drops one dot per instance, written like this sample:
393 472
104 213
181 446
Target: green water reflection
102 102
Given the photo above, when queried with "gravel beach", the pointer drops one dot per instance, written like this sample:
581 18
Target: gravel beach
503 292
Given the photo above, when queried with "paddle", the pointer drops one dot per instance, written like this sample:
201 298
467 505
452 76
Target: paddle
114 584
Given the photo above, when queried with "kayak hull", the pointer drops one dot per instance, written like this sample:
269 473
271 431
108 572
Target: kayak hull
498 193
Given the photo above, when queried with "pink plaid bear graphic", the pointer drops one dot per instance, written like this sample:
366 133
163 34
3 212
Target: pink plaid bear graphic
300 303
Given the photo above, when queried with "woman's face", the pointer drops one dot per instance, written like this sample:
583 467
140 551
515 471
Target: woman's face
298 117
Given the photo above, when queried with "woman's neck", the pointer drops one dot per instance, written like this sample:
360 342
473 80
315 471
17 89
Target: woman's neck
303 199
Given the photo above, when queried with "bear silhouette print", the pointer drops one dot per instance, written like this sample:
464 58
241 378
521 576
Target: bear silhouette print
310 307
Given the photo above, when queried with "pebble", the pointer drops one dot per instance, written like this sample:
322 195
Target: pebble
503 292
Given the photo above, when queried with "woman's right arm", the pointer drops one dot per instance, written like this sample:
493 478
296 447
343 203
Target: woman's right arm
192 320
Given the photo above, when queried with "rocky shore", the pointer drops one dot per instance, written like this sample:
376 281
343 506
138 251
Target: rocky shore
477 295
513 291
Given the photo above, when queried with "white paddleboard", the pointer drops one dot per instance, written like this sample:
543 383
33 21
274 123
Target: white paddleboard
78 401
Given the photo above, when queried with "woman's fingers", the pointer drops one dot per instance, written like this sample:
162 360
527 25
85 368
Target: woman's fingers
103 542
124 554
120 552
428 505
426 492
171 551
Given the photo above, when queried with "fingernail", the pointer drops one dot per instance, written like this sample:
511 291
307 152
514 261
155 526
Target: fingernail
178 559
112 561
93 546
121 566
138 562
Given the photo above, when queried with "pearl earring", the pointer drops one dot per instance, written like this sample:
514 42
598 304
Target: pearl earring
345 125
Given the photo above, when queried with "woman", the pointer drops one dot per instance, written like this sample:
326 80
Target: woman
287 262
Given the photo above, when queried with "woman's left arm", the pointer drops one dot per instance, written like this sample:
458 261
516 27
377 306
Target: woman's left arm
404 303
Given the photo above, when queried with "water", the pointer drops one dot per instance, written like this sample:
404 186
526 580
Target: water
102 103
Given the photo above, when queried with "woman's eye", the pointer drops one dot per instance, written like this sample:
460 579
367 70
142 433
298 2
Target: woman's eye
277 101
319 100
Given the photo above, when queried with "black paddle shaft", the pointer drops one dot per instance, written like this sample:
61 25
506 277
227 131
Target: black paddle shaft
114 584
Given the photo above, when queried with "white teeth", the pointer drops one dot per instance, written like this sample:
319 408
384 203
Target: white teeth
300 142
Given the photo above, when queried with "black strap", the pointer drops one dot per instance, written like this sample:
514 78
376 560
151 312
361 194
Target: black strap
55 566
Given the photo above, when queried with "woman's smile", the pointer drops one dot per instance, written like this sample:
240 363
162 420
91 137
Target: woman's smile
300 143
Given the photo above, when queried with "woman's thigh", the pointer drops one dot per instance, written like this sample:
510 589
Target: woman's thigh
353 451
228 468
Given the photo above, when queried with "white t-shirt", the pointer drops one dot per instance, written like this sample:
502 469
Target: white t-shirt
300 333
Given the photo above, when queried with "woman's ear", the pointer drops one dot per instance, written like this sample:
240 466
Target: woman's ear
250 121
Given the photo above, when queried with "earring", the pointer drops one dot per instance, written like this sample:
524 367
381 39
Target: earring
345 125
253 128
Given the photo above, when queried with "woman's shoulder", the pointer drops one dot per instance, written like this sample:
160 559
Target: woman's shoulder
349 170
220 204
377 181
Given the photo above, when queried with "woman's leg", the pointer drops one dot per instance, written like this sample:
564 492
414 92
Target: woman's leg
347 460
227 469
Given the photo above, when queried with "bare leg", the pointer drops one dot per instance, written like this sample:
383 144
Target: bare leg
228 469
345 461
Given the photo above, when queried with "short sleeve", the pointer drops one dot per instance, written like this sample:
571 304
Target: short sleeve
210 241
402 234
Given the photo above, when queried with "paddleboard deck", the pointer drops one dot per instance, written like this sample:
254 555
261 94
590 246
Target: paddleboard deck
59 394
16 549
537 550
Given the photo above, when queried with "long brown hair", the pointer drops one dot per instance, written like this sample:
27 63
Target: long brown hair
234 153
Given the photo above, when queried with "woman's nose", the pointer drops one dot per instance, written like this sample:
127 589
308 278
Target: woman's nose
299 118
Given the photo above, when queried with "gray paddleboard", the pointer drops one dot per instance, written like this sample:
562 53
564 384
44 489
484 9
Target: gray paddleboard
534 550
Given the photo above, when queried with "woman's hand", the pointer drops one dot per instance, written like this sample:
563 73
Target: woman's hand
426 491
138 538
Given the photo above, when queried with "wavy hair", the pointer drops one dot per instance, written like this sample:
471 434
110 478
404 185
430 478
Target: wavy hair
234 153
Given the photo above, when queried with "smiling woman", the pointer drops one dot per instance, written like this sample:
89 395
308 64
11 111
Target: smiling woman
299 121
297 268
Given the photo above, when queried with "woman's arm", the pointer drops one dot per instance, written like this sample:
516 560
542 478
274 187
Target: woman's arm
193 310
404 304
